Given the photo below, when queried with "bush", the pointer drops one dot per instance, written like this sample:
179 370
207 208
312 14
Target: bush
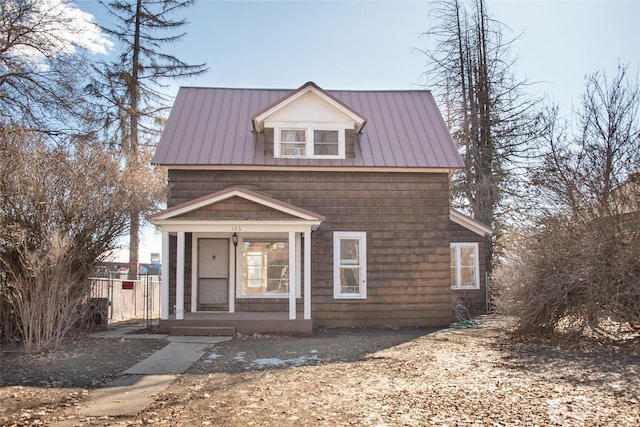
574 274
62 206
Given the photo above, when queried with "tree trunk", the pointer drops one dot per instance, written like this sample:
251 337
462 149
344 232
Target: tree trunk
134 232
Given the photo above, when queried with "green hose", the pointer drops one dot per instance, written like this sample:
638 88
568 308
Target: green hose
464 320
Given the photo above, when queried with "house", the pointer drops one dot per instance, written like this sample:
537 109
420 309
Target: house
294 209
468 257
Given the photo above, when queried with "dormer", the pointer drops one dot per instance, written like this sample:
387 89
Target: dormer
309 123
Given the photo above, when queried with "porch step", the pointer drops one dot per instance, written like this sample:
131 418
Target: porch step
203 331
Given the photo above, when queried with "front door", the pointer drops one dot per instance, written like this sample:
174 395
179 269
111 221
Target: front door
213 274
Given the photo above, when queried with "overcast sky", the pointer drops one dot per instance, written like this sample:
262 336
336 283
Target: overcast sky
375 44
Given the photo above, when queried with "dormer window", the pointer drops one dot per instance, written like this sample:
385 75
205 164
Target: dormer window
309 142
326 143
293 142
308 123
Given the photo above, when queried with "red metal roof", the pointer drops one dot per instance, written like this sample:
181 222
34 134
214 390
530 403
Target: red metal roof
213 126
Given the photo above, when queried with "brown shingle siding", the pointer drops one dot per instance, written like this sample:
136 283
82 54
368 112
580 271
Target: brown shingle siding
473 299
405 216
268 140
350 139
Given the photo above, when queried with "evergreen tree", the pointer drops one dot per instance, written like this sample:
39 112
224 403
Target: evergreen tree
131 86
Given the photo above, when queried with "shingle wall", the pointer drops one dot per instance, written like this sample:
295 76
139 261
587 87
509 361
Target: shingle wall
405 216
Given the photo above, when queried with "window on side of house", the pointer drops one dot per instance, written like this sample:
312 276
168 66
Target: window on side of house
293 142
349 265
465 267
265 268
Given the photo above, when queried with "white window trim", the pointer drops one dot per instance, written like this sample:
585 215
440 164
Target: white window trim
458 246
362 238
240 266
306 142
309 128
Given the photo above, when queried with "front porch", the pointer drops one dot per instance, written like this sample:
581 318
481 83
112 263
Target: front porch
242 322
237 259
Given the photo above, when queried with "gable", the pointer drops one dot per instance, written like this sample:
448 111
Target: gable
234 203
236 208
308 104
309 108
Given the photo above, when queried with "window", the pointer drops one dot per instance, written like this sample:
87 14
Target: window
265 268
325 142
309 142
349 265
293 142
465 269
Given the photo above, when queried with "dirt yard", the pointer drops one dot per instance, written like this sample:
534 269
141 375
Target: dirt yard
451 377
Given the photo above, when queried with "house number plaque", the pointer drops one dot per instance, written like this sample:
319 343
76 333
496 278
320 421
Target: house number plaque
236 228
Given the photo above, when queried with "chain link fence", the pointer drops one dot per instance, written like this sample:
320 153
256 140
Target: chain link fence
119 297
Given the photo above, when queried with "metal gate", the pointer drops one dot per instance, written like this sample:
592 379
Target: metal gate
127 298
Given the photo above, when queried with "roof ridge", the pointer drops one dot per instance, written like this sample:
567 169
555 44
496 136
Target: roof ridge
295 89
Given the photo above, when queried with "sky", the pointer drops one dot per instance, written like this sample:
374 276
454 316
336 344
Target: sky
378 44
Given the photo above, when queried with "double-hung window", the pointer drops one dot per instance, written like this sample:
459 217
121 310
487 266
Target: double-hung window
293 142
325 143
265 268
349 265
465 268
309 142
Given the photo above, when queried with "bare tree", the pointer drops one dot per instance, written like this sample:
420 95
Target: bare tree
582 261
579 176
131 86
490 117
43 63
62 206
64 199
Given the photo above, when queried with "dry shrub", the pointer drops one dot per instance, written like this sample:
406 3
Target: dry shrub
61 207
574 274
580 263
47 298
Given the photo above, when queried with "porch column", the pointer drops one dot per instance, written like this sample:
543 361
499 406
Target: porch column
180 277
292 275
233 276
298 265
307 274
164 281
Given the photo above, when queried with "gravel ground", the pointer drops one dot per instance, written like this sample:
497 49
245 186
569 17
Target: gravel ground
35 388
451 377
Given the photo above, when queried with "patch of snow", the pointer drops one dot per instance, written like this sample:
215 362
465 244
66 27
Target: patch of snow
274 362
212 356
239 357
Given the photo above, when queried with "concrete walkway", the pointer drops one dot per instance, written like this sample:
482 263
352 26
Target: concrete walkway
140 384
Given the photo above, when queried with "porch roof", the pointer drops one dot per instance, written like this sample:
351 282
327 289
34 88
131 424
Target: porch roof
292 215
470 223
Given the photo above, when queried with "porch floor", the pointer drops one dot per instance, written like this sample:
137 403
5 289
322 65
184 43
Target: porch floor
243 322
